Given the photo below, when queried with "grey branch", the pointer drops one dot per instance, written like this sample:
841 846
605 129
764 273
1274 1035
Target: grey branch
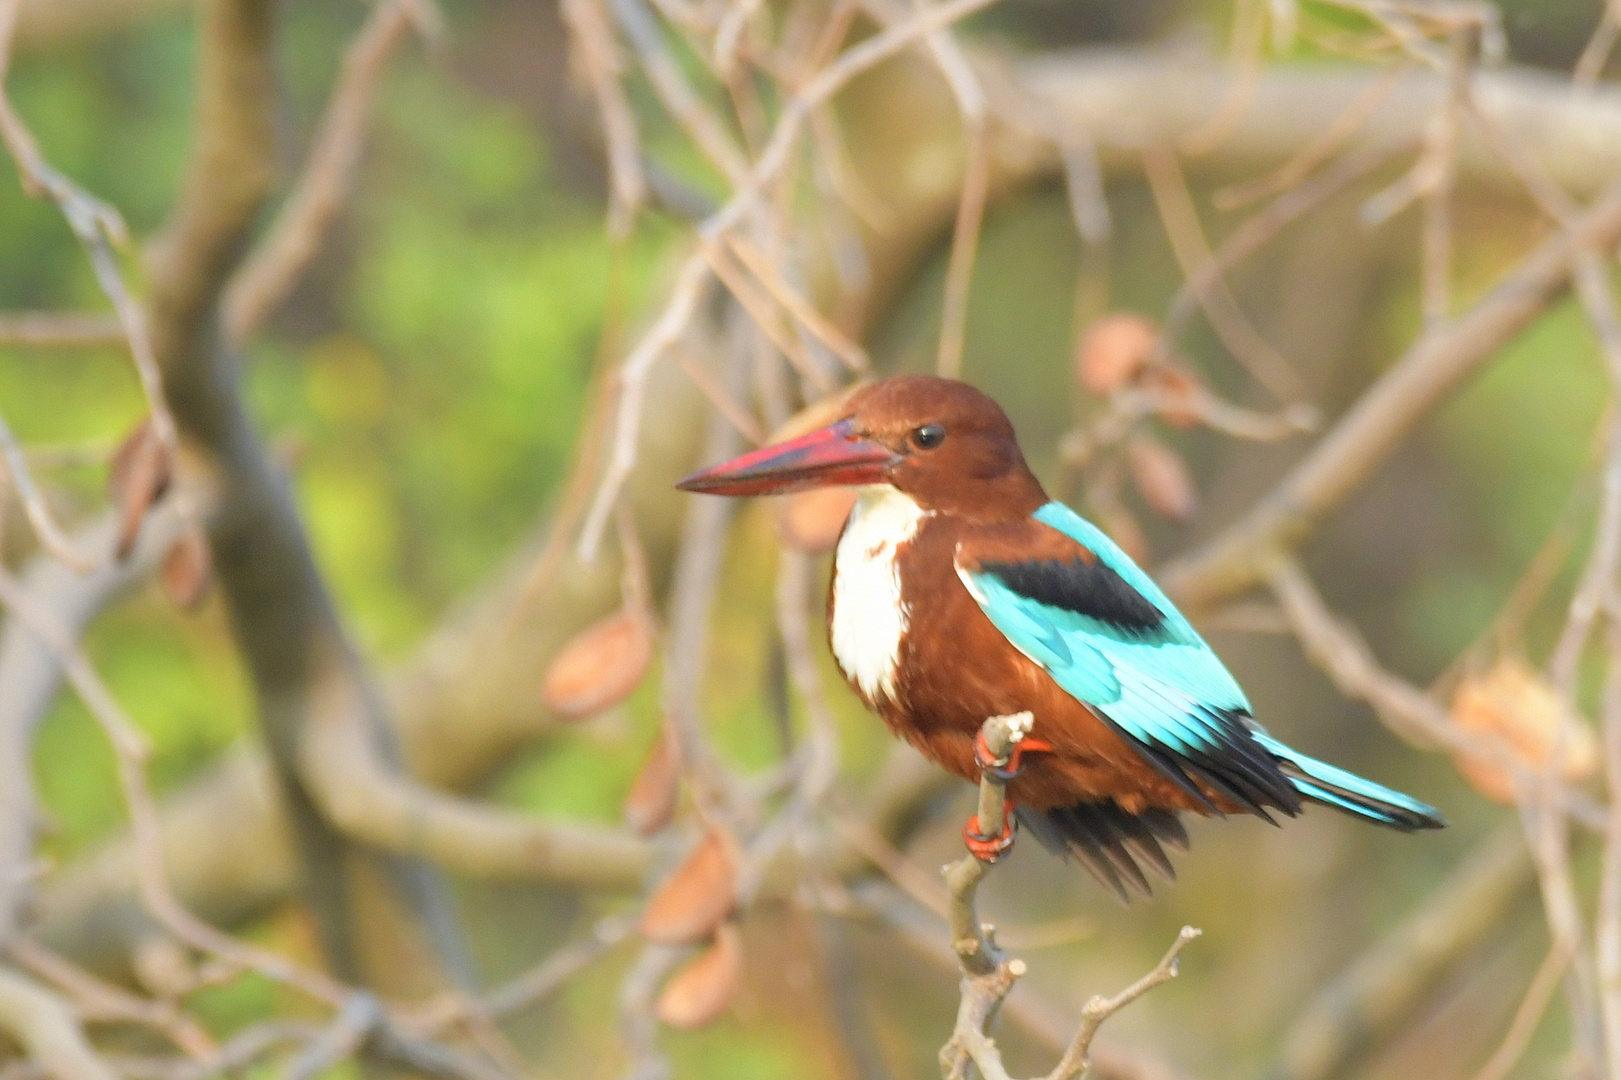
988 975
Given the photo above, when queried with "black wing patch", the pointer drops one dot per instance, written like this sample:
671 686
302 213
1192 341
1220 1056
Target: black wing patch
1086 588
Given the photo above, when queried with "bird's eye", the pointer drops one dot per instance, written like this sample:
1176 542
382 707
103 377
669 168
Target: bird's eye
928 436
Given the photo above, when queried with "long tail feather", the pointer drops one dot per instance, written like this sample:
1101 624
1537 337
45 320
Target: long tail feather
1323 783
1111 843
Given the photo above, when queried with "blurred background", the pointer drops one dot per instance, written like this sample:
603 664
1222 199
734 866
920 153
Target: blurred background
437 386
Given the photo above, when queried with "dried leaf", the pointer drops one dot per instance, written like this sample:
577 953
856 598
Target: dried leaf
601 666
652 799
1162 478
701 991
137 477
188 568
1115 348
692 901
1515 704
812 520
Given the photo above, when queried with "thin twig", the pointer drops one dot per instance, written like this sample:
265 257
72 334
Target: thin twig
131 752
66 330
853 355
50 534
970 97
99 228
268 276
591 30
1192 252
694 275
1596 54
1527 1017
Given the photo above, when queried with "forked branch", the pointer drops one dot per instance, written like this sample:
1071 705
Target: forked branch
988 975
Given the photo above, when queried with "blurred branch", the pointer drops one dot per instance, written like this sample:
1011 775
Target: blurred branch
694 275
104 1002
591 31
99 228
367 800
1204 279
48 23
270 273
44 1025
1126 98
1339 650
1435 365
31 674
1377 996
53 330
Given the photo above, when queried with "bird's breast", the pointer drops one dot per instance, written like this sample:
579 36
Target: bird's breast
868 611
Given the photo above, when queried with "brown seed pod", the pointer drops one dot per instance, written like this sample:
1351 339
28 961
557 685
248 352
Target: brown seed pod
601 667
1180 389
137 476
1515 704
701 991
188 569
1162 478
652 799
1114 350
692 901
811 521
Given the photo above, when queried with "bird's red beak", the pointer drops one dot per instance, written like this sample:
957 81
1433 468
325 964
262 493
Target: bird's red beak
834 456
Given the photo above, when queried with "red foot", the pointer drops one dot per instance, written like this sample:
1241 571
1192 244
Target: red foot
1005 770
989 849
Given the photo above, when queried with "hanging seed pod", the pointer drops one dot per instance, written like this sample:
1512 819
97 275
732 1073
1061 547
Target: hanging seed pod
1180 389
1515 704
1162 478
1114 350
701 992
137 477
188 569
811 521
653 796
601 666
693 900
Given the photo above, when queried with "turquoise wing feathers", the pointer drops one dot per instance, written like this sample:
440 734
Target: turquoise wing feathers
1111 638
1156 679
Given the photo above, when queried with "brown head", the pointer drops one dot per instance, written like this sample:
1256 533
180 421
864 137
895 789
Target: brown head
945 444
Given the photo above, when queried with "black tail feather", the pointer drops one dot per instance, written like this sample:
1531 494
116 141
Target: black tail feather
1111 843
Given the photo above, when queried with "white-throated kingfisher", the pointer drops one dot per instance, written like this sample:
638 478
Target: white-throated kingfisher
961 592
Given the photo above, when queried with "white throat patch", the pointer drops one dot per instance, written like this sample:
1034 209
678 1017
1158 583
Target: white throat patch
869 616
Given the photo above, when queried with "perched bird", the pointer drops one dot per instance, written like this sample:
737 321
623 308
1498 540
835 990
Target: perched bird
961 591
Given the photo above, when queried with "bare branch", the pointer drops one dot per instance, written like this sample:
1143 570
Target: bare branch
268 276
1187 237
1405 709
44 1025
1433 367
1375 997
51 330
987 975
368 801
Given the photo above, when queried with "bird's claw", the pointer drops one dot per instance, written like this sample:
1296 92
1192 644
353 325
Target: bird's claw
1008 768
989 849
